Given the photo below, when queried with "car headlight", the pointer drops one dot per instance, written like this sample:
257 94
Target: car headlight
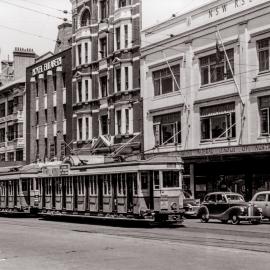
259 209
242 209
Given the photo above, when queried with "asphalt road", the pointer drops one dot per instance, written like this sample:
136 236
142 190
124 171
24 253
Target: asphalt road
39 244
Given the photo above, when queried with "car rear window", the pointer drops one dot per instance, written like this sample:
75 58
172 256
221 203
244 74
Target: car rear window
261 198
235 197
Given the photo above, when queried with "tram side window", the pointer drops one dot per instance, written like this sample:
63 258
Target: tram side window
156 180
107 185
48 186
31 184
170 179
69 186
10 188
24 185
2 189
135 184
144 180
93 185
81 185
121 184
58 187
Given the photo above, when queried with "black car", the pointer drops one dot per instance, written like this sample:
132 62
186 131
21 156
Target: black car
228 206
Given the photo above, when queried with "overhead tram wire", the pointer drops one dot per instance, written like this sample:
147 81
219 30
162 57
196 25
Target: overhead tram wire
27 33
34 10
50 7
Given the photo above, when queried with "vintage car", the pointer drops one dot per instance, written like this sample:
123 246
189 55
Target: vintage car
228 206
262 200
191 205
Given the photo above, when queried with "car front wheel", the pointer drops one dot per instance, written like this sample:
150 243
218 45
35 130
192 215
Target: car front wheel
204 218
235 220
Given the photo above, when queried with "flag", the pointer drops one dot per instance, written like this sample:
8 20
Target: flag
218 52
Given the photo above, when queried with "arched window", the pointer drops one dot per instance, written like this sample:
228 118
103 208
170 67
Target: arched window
85 18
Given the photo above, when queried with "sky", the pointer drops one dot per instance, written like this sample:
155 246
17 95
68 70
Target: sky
24 20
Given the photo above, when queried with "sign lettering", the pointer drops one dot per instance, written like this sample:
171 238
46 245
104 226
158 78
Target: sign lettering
47 66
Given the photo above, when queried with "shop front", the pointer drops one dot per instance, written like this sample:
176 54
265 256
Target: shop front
243 169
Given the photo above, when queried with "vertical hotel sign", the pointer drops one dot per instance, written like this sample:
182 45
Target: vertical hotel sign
231 7
47 66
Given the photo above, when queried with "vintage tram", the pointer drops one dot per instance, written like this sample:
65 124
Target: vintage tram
147 190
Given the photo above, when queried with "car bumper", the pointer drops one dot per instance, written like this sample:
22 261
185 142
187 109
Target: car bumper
251 218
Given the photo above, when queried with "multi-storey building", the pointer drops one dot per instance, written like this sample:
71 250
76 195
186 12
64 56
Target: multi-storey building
49 108
106 76
206 90
12 109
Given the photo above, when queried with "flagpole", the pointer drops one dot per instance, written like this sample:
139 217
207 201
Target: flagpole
230 66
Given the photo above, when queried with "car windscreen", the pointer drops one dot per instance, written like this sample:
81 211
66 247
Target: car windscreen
235 197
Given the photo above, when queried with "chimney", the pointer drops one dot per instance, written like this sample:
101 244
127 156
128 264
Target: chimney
22 59
63 38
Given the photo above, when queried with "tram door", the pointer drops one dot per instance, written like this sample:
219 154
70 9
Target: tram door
130 179
7 191
100 193
86 193
114 193
15 192
64 190
75 193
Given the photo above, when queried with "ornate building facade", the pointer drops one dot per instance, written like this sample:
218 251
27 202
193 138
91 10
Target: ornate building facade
107 107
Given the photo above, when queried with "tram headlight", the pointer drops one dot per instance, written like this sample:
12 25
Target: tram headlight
174 206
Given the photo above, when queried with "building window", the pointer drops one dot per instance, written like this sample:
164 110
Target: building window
65 111
79 48
127 120
64 79
10 156
80 129
264 106
37 118
2 135
118 79
214 69
46 115
218 122
126 79
45 81
167 128
86 90
54 80
86 52
103 9
104 124
46 147
37 149
123 3
103 47
55 145
2 110
104 86
79 89
10 107
87 128
37 88
118 38
126 35
164 81
85 18
263 47
118 122
55 113
19 155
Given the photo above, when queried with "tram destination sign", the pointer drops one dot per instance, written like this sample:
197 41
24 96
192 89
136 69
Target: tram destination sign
228 150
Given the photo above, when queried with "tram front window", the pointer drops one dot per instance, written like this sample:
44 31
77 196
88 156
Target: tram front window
170 179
